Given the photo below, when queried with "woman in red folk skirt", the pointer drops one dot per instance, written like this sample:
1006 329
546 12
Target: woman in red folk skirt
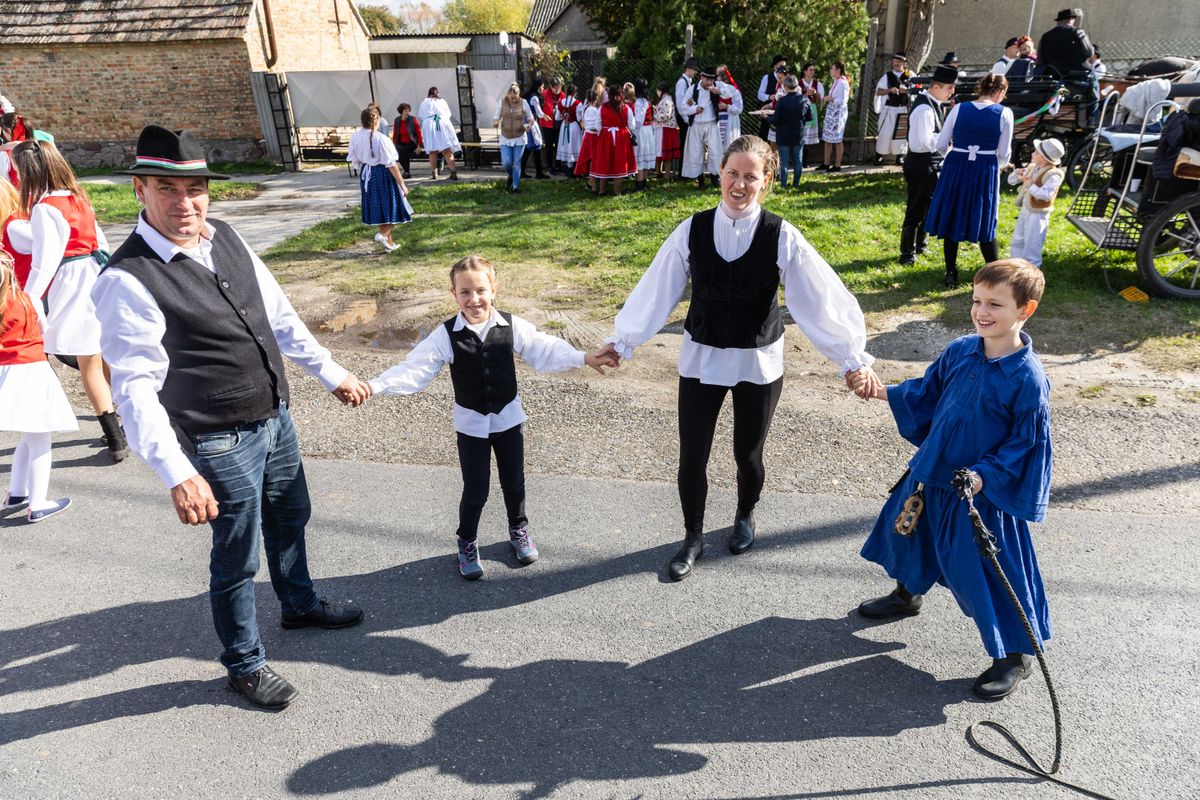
613 159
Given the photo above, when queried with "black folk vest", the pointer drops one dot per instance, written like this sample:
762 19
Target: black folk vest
483 372
939 115
734 303
895 81
225 367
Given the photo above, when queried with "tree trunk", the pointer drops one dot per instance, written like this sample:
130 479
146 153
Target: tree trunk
920 35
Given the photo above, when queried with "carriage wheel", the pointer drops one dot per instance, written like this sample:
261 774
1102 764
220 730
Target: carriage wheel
1077 165
1168 254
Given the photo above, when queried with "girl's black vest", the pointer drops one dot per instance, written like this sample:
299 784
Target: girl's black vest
483 372
734 303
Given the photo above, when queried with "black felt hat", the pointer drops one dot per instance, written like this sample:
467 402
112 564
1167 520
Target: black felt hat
944 73
171 154
1066 13
1012 42
692 63
900 55
950 58
708 72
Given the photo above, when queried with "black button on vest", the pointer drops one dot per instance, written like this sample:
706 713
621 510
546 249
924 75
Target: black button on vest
483 372
734 303
225 367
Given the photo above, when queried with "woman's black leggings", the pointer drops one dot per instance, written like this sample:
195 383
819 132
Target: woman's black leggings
950 251
699 406
475 458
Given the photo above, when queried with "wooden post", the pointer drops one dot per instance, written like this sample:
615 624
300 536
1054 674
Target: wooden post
687 41
866 91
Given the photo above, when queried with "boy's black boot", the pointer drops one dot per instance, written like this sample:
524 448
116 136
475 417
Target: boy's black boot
900 603
683 561
742 537
922 239
1004 676
114 435
908 245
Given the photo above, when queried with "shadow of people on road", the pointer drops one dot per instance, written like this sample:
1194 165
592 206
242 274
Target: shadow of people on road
552 722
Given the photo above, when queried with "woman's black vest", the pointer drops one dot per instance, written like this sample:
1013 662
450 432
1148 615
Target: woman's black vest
734 303
483 372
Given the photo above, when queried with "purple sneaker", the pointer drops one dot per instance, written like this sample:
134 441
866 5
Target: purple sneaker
522 544
468 560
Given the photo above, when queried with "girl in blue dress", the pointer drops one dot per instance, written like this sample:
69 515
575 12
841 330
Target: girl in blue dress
977 141
984 405
381 186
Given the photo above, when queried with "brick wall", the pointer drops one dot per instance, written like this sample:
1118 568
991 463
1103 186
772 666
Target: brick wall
96 98
310 35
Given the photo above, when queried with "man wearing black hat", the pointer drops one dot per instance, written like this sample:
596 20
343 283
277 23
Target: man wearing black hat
683 90
703 149
891 102
195 329
923 161
768 88
1011 50
1064 49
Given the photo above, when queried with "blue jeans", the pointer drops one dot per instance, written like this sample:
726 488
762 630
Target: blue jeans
258 480
790 155
510 159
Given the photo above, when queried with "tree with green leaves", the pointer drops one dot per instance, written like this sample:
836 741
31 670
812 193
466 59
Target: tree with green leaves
380 20
743 30
486 16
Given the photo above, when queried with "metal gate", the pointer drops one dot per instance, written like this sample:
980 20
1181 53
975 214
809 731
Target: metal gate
275 118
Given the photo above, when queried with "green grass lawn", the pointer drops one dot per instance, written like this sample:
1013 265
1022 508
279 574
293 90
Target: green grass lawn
114 202
559 245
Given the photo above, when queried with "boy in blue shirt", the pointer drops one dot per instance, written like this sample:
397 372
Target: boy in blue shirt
984 405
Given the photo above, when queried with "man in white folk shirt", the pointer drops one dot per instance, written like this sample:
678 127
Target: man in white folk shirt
195 328
1011 51
924 160
891 102
683 89
702 151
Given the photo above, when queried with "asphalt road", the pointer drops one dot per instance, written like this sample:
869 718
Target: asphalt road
586 675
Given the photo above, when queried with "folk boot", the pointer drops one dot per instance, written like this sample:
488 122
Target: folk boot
742 538
922 240
683 561
908 245
114 436
900 603
1003 677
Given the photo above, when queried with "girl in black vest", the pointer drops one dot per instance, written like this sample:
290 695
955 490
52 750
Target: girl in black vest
736 256
478 343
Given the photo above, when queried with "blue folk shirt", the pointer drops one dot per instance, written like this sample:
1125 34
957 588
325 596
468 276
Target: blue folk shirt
989 415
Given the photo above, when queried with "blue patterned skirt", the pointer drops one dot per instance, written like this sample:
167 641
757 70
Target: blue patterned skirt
382 202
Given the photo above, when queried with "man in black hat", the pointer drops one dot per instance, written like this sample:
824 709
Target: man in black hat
683 90
702 151
768 88
923 161
1011 51
1064 49
195 329
891 103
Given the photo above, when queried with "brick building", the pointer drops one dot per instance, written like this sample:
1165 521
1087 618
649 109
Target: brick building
94 73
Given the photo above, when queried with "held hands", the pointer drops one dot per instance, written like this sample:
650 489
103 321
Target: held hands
866 384
606 356
352 391
194 501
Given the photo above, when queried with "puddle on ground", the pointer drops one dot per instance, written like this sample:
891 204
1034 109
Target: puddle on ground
393 338
358 312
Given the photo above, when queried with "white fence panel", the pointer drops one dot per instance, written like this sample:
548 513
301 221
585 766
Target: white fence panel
329 98
396 86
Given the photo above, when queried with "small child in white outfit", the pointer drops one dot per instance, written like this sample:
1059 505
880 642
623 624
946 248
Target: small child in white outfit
1039 181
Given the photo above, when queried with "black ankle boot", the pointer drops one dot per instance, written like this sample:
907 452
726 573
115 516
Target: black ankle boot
683 561
1004 676
922 240
700 182
114 435
900 603
908 245
951 277
742 537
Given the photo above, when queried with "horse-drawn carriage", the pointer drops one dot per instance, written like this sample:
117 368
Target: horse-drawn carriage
1149 201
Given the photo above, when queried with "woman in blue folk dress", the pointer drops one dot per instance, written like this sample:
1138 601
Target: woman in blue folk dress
382 189
983 405
964 208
